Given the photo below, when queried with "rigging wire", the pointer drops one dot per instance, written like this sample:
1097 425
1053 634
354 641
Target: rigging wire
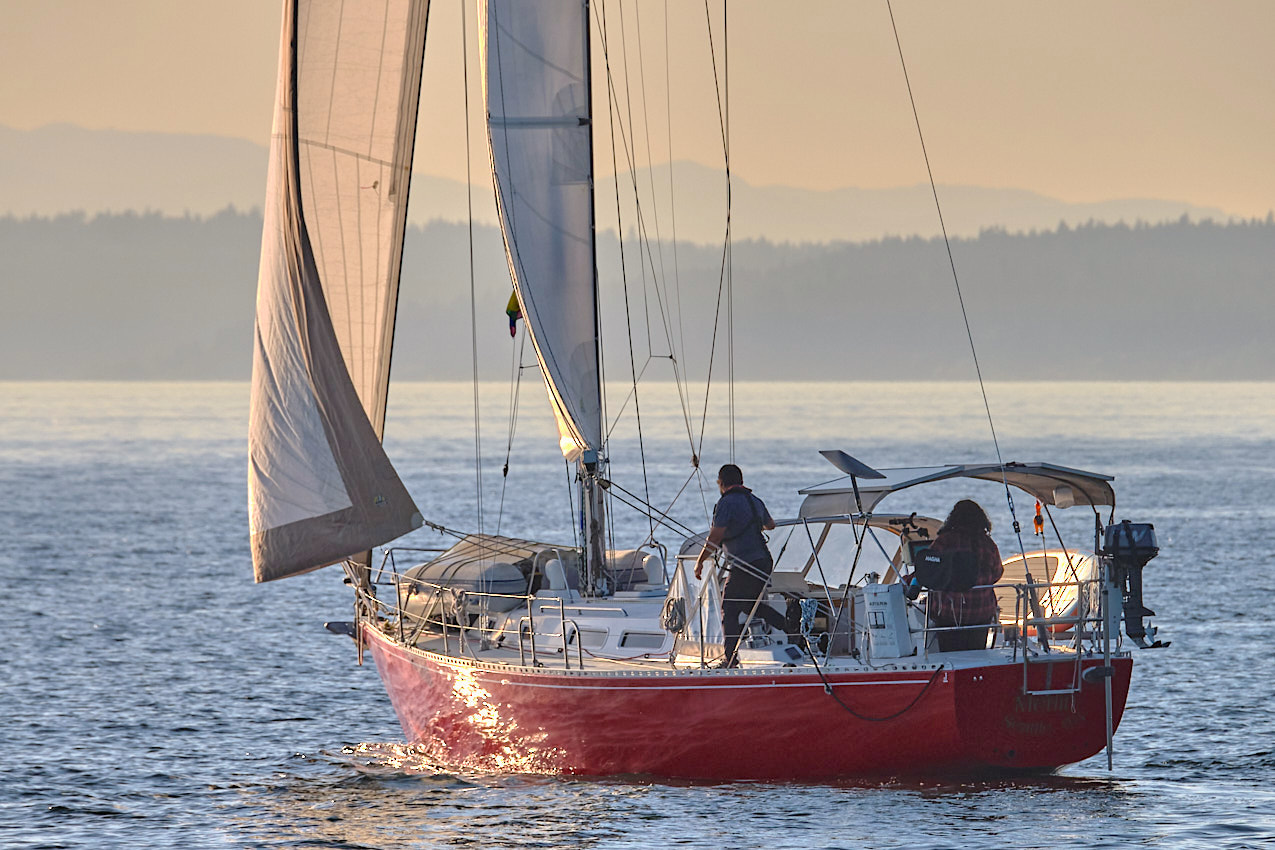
495 545
473 291
1071 566
659 274
730 242
612 104
625 135
515 385
494 30
672 201
632 148
650 162
959 297
624 405
657 517
628 139
632 500
723 274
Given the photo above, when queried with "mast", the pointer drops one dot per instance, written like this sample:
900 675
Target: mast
592 464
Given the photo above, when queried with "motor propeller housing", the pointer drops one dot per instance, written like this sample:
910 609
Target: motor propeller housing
1130 546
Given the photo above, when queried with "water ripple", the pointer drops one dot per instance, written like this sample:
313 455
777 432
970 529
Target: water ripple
154 697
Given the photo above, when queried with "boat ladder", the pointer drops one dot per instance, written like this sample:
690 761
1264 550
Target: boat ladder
1070 684
1043 626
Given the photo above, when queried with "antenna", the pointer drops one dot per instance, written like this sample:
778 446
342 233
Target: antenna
856 469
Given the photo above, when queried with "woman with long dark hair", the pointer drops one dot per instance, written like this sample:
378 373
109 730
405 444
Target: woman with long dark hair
967 529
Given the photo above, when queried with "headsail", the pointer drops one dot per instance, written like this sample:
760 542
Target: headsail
536 79
320 487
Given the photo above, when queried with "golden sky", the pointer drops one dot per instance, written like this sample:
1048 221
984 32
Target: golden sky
1082 101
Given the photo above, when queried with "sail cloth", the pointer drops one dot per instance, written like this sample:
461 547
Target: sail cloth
320 487
536 83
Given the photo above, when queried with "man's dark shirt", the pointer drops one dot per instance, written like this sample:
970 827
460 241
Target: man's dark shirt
743 515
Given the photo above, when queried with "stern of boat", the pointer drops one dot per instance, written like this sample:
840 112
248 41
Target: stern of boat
1038 715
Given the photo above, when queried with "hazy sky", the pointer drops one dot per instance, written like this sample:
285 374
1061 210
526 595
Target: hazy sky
1082 101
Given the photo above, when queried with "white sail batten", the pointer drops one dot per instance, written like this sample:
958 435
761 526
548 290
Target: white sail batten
536 83
320 487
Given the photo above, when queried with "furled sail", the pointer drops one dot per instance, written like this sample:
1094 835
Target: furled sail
320 487
536 80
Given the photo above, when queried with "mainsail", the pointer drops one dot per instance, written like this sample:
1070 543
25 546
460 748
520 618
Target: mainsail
320 487
536 80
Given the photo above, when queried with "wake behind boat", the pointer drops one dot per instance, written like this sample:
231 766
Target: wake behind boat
579 657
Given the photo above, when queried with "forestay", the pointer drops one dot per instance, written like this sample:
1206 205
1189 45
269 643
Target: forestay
537 93
320 487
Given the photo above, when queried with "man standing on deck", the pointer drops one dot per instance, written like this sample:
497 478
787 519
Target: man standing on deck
739 518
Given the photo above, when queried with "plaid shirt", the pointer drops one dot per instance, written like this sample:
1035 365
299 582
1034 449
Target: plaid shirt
970 607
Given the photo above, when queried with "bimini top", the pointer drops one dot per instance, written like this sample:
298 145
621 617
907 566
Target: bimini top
1054 485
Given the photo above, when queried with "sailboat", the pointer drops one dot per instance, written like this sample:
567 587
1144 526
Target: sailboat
577 657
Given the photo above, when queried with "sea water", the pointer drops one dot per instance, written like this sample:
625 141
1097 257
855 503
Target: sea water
153 696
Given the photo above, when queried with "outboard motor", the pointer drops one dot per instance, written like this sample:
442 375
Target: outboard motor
1129 546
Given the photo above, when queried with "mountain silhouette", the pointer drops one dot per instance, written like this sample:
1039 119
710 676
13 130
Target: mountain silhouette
62 168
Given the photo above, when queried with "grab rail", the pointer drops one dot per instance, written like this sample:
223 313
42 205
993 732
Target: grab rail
445 610
531 629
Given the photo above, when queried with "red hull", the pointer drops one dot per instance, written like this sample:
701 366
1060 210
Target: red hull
773 725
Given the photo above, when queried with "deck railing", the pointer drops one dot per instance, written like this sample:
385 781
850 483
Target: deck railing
1030 633
416 607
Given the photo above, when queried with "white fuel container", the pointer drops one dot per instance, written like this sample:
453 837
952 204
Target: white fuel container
886 621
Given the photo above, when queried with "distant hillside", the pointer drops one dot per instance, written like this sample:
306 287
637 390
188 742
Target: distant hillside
150 296
786 214
62 168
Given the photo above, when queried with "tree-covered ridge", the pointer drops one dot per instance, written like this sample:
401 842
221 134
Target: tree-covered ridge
148 296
